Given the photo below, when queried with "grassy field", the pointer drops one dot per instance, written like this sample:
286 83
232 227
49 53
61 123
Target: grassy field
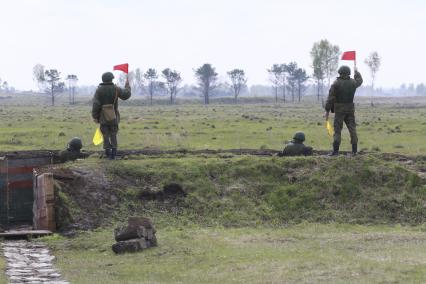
392 126
306 253
244 219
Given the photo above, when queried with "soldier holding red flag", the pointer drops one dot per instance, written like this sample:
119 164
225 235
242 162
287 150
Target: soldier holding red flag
105 110
341 101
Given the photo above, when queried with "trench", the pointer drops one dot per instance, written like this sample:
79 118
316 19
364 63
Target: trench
27 211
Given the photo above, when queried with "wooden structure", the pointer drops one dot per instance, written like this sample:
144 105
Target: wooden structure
44 202
16 187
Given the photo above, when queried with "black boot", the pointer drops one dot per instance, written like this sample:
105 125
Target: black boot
354 149
107 153
335 149
113 153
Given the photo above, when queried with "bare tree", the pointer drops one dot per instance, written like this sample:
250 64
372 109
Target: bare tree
277 78
173 80
139 81
300 77
373 62
39 76
290 69
238 80
72 83
207 77
54 83
151 76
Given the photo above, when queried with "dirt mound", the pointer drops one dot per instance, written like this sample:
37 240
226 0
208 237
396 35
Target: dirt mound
242 190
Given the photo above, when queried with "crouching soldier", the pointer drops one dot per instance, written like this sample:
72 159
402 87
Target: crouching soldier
296 146
105 111
73 151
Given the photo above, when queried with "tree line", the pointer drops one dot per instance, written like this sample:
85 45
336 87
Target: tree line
288 80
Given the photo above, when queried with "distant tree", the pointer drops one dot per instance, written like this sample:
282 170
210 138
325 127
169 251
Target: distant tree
54 84
420 89
277 78
122 77
131 77
139 81
39 76
300 77
72 83
238 80
4 86
373 62
151 76
207 77
290 69
325 60
172 81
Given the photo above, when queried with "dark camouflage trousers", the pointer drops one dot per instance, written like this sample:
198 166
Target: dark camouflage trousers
349 119
109 133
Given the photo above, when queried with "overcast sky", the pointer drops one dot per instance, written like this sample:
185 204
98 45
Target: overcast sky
88 37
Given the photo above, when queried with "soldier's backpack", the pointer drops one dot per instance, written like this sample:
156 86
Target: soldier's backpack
108 110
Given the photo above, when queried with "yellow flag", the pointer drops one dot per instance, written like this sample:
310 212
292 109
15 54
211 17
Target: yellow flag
329 128
98 138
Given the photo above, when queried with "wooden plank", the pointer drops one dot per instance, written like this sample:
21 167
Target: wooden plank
44 210
18 233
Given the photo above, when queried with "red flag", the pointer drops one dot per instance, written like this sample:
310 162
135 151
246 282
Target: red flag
349 55
122 67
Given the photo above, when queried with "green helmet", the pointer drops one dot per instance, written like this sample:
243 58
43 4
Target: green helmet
75 144
299 136
107 77
344 70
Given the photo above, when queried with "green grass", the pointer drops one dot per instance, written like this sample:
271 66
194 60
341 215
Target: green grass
243 219
306 253
388 128
3 278
249 191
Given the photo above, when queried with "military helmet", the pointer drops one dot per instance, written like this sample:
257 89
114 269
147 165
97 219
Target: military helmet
107 77
299 136
344 70
75 144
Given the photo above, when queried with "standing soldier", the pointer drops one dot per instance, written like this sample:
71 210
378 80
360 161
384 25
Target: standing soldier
341 101
105 111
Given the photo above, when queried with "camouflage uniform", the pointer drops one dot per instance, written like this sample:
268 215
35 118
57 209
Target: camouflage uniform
341 101
72 152
105 94
296 146
71 155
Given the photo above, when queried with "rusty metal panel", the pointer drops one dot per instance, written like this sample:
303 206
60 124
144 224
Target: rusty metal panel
20 184
3 193
16 189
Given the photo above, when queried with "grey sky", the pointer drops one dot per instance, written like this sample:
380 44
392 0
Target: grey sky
87 37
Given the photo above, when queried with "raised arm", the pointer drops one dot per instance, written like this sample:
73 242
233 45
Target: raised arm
358 78
125 93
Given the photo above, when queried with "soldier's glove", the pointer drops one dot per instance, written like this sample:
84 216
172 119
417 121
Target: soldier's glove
326 115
